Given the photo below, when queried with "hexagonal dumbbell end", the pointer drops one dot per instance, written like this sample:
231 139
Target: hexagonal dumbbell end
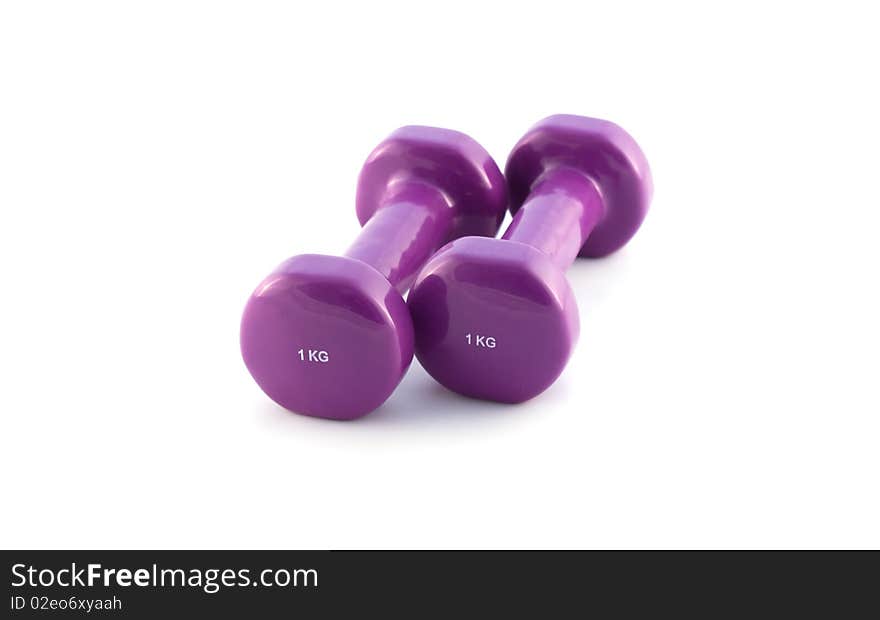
331 336
496 318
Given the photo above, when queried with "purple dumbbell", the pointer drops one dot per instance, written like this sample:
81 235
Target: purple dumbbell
496 318
331 336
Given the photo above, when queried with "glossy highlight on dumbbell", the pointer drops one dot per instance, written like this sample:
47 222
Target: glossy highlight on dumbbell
496 318
331 336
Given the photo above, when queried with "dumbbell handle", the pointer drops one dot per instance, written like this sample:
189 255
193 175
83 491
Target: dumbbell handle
414 220
561 210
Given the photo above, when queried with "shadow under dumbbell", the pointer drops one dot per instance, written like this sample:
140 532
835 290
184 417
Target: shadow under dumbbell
421 403
421 400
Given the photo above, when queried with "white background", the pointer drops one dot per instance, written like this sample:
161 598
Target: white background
158 159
